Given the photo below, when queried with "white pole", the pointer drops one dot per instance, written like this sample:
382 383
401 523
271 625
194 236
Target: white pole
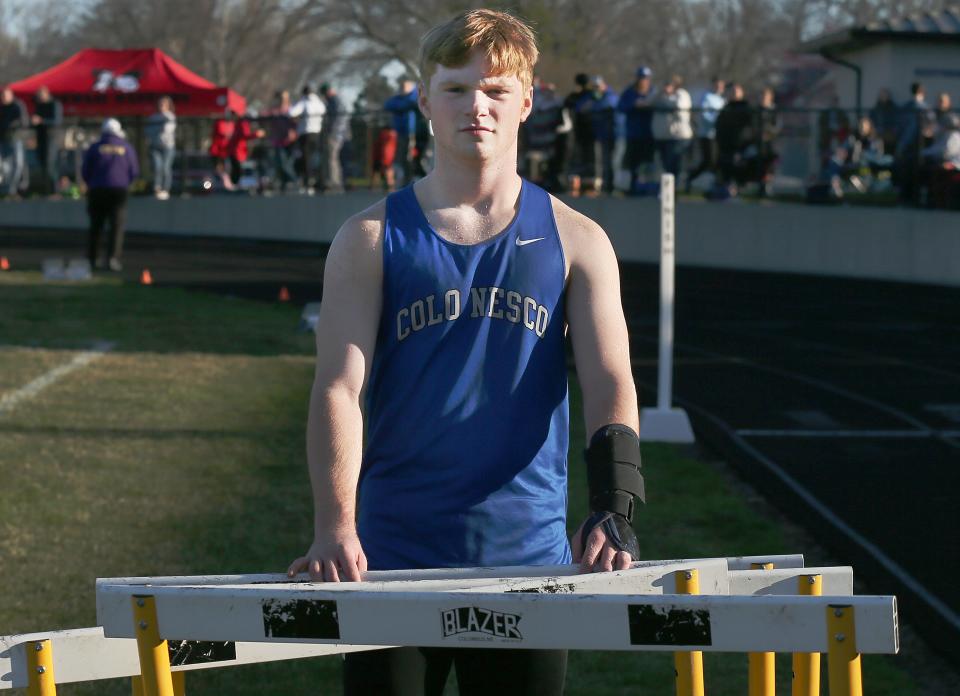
665 376
663 423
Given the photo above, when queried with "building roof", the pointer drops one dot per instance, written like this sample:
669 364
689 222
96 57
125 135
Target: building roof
941 26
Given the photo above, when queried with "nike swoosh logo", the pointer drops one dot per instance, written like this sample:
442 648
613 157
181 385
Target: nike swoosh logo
524 242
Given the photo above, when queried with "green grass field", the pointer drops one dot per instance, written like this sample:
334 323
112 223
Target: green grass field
180 451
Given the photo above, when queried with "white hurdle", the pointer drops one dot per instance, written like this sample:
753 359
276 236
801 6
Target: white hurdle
204 622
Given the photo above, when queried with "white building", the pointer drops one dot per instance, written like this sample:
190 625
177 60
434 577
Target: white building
891 54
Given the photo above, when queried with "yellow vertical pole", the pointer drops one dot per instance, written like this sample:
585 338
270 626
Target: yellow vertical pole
179 684
806 666
762 666
843 660
688 665
40 681
154 657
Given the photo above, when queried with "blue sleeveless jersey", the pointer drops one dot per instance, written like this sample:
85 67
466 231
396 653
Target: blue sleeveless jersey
467 420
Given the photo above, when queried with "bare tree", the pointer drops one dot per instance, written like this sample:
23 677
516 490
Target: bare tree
254 46
257 46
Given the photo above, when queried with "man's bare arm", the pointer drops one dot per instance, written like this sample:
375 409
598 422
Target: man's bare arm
598 328
601 349
346 337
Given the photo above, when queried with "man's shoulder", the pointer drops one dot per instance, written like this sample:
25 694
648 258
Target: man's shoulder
364 230
579 234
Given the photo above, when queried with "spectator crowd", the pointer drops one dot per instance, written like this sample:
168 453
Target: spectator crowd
595 141
591 141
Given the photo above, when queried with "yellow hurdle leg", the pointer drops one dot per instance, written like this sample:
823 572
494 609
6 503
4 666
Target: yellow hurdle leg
154 657
806 666
762 666
179 683
843 660
688 665
40 680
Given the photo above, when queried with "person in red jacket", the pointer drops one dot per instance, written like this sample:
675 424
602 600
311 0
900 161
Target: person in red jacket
220 138
229 142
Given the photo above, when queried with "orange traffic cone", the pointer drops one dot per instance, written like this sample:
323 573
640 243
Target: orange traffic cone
284 295
4 263
145 277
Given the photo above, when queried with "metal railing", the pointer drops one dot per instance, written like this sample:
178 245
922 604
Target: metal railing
816 155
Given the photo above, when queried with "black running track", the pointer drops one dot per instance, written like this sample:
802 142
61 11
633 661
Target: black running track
838 399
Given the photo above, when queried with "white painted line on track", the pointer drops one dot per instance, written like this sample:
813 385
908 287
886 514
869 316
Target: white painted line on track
820 384
861 356
896 434
937 604
31 389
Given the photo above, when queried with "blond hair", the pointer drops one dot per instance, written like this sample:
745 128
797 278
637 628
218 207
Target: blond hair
507 42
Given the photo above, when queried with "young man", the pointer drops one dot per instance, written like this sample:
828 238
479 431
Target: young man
448 304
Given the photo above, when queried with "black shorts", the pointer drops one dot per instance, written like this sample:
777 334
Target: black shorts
639 151
480 672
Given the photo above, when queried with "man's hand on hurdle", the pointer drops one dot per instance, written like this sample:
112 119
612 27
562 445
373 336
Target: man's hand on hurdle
599 553
332 557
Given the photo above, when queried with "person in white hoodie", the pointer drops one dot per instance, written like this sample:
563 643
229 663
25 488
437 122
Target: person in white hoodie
671 124
711 102
309 112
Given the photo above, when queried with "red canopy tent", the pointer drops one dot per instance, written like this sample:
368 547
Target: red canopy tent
128 82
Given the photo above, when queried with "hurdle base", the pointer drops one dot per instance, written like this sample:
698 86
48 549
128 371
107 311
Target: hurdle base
666 425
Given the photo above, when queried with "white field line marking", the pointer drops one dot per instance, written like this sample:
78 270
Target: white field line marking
849 433
883 559
30 390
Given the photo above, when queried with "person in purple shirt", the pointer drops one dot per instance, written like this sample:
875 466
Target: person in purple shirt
109 167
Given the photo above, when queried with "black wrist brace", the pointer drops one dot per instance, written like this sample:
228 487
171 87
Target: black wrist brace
613 470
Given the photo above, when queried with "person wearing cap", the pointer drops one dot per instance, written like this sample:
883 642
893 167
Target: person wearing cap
109 167
709 106
636 102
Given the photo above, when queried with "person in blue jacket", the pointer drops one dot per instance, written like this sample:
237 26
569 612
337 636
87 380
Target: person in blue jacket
636 103
109 167
603 105
403 112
